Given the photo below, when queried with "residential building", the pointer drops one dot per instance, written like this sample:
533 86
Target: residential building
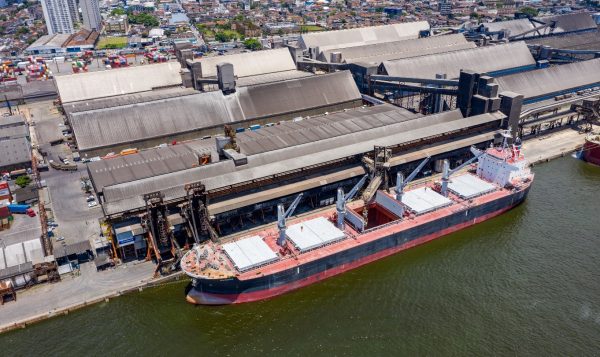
117 24
90 12
58 15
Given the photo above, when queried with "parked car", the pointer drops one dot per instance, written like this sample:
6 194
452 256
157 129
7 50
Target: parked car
91 198
92 204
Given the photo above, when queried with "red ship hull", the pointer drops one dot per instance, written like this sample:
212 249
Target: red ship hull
197 296
591 152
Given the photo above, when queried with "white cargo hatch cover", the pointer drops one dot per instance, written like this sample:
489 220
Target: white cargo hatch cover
469 186
313 233
248 253
424 199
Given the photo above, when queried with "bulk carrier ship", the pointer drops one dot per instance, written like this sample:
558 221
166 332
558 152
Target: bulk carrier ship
300 252
591 149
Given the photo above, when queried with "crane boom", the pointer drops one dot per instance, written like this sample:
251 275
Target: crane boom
447 172
282 216
293 206
342 199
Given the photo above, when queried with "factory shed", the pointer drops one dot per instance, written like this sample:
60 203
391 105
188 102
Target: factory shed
558 24
14 143
571 22
270 161
379 52
548 82
249 63
49 44
495 60
116 82
514 27
250 68
362 36
575 41
146 163
181 118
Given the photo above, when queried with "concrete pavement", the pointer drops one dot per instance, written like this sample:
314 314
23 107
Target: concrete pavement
47 300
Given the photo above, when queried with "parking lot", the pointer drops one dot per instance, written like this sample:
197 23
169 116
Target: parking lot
75 221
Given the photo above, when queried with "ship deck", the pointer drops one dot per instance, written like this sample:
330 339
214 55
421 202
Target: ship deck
210 261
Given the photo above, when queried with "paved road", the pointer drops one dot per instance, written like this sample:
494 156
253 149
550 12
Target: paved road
23 228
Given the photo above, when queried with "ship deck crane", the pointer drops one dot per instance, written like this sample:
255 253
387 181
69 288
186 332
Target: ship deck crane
342 199
402 182
282 216
447 172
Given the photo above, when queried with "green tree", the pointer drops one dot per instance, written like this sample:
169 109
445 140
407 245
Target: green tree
22 30
252 44
23 181
118 11
143 19
529 11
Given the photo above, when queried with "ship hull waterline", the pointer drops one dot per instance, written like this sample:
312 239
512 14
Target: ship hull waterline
233 291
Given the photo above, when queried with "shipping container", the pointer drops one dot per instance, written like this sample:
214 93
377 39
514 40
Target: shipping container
16 208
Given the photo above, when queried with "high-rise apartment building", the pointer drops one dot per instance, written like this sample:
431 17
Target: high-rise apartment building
90 12
60 15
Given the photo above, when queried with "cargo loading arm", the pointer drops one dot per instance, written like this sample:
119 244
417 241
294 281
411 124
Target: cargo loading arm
447 172
342 199
402 182
282 216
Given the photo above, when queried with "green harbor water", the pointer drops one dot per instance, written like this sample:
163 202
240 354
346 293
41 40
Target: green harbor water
525 283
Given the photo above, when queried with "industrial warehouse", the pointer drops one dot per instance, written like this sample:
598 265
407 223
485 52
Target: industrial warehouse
198 149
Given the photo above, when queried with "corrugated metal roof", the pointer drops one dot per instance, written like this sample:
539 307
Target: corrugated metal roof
575 41
15 151
320 128
515 27
250 63
571 22
481 59
11 120
271 77
114 82
563 23
49 41
379 52
142 97
297 95
128 196
132 123
161 118
362 36
146 163
160 161
551 80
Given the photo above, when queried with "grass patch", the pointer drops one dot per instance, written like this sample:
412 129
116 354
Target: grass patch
311 28
112 42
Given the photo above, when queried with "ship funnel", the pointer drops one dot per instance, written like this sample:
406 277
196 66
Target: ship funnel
445 178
